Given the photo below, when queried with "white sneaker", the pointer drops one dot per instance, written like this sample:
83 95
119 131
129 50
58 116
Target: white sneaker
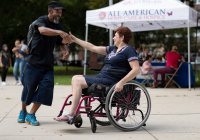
4 83
19 83
16 82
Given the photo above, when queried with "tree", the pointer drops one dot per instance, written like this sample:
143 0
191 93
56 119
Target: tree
16 15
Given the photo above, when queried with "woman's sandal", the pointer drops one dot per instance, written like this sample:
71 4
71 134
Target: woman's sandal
64 118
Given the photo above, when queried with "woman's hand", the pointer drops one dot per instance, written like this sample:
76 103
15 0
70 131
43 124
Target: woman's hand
65 37
119 87
72 38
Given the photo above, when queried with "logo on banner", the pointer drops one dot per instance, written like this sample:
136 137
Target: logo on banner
169 14
102 15
142 2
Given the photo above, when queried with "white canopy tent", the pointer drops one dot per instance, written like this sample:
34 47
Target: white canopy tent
144 15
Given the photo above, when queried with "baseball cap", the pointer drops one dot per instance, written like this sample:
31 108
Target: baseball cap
4 45
55 5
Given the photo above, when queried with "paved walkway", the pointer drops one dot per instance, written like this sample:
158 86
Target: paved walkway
175 115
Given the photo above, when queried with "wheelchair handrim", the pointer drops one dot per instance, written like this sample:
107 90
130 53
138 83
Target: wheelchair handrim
147 112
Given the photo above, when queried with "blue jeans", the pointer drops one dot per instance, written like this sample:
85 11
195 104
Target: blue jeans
38 85
19 65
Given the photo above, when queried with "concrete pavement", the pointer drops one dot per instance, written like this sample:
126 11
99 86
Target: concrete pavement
175 115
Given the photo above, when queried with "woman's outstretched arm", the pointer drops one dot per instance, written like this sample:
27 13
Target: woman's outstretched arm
88 46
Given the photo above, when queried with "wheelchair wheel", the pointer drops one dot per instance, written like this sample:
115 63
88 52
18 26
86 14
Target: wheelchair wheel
128 109
97 106
93 125
78 123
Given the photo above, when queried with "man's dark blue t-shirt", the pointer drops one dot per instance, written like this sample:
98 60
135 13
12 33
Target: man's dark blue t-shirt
42 46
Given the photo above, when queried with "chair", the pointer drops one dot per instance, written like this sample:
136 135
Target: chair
148 76
171 76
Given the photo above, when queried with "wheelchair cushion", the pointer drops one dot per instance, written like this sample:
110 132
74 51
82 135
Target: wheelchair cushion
98 90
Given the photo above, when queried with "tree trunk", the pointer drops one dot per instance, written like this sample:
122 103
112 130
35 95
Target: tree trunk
132 41
66 67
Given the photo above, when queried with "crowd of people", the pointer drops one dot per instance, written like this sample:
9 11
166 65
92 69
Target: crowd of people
172 58
21 51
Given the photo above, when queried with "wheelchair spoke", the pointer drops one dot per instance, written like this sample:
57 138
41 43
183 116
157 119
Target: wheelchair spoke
132 106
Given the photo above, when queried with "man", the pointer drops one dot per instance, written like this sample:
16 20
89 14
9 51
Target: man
38 77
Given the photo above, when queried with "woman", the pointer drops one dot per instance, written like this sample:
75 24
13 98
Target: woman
146 67
19 62
171 66
5 62
120 56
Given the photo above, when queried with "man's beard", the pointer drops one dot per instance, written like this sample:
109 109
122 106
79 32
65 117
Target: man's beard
55 20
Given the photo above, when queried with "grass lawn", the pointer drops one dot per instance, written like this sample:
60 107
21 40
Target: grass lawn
62 80
61 70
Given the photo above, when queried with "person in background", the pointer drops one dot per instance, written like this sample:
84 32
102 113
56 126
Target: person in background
146 67
19 62
138 50
24 48
171 66
5 62
146 52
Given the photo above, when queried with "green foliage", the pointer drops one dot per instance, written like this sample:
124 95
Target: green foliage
191 2
16 16
169 38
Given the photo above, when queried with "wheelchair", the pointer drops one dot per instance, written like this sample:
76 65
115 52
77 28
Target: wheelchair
126 110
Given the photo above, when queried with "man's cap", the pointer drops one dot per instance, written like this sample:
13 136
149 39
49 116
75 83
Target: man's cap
4 45
55 5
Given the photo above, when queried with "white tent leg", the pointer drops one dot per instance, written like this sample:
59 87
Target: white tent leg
189 78
111 37
85 56
111 31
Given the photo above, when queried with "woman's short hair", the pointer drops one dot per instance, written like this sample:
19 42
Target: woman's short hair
147 57
124 31
174 49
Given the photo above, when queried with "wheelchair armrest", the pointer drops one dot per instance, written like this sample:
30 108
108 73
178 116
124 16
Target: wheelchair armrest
116 70
94 69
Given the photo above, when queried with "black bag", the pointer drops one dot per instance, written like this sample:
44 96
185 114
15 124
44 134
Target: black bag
31 33
96 90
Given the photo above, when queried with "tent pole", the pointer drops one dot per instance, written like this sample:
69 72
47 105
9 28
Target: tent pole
195 49
85 55
189 78
111 31
111 37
